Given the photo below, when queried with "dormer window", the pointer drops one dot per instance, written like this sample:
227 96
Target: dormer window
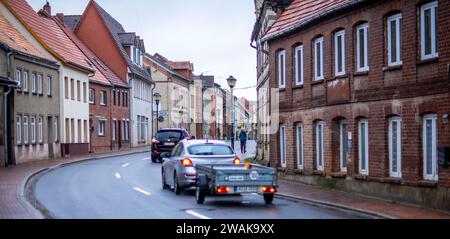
136 55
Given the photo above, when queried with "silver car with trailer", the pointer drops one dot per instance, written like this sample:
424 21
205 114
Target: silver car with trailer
178 168
235 179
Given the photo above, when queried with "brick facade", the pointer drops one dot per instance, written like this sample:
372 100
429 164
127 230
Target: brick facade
410 91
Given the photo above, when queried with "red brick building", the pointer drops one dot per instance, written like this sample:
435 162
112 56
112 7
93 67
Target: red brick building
108 100
364 96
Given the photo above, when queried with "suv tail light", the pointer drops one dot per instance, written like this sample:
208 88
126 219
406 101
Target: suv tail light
237 161
186 162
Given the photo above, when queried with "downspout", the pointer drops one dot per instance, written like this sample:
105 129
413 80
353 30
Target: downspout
5 107
153 123
110 115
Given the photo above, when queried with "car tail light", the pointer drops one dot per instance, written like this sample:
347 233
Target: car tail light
223 189
237 161
270 189
186 162
155 141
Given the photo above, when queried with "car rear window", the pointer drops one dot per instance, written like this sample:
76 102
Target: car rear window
165 135
206 149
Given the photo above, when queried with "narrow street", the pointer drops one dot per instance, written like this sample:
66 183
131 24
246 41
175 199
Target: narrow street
130 187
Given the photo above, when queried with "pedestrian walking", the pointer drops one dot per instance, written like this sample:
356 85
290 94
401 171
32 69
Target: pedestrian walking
243 139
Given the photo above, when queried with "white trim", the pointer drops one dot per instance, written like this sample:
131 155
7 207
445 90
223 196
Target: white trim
320 158
340 34
299 59
398 173
91 101
299 146
364 27
394 19
320 75
18 129
343 145
55 130
49 86
33 83
19 78
282 74
25 129
33 129
283 146
25 81
39 84
366 146
40 129
102 98
114 125
434 174
432 6
101 127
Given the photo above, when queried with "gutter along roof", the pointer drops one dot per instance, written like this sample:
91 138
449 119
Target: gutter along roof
302 13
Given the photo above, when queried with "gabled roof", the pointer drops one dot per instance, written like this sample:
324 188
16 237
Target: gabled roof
14 40
72 21
45 30
103 75
303 12
115 28
166 67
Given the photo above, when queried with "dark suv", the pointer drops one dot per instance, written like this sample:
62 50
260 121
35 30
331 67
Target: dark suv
165 140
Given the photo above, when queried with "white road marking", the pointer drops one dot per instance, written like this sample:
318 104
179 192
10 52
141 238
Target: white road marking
142 191
145 159
117 175
255 194
196 214
123 166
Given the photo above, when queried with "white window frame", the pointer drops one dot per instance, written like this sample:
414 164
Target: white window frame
25 81
122 130
283 146
101 130
396 19
282 74
55 131
39 84
127 125
318 75
432 6
114 125
25 129
19 78
343 145
434 167
33 129
366 146
91 94
19 129
299 59
40 129
338 34
33 83
299 146
49 85
102 98
398 121
364 27
320 153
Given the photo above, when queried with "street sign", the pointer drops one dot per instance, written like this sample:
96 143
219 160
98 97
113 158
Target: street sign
163 114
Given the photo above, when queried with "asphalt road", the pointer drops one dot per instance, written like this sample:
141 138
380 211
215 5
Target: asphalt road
129 187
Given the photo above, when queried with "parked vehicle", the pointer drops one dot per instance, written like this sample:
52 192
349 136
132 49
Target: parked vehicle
165 140
178 169
235 179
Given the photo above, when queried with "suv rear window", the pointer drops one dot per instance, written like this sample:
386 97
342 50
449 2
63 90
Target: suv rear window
165 135
206 149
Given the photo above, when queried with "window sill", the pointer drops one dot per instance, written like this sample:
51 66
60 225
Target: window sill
392 68
316 82
318 173
361 177
338 175
361 73
299 171
340 77
428 61
297 87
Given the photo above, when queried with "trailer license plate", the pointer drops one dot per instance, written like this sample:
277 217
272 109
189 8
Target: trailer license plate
246 189
236 178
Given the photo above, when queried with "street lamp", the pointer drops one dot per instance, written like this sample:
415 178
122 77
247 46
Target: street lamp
157 98
232 83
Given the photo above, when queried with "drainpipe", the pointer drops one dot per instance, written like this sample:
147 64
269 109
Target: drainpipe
111 102
5 107
153 123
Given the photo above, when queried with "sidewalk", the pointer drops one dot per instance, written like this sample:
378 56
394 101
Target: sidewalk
13 204
376 207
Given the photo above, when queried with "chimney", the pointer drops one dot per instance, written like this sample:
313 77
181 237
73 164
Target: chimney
48 9
60 17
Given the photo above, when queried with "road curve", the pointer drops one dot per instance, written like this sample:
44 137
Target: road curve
129 187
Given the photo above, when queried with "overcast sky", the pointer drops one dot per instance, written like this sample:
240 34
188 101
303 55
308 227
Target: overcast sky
213 34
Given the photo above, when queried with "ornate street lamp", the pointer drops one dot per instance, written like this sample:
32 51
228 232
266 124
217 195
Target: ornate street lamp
157 99
232 83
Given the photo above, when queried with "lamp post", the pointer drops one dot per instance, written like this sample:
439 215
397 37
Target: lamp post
157 98
232 83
